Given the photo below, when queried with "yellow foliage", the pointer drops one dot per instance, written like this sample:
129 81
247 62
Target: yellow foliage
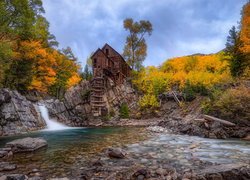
149 101
203 70
199 70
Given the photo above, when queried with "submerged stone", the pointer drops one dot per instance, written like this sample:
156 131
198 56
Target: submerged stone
116 153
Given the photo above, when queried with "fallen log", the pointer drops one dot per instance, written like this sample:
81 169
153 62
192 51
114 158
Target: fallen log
224 122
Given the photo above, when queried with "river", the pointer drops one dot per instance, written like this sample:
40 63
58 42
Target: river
71 149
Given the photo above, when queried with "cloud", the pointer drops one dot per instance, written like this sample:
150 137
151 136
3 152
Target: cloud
180 27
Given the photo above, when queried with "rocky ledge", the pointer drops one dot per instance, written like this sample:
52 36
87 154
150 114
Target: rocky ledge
17 114
213 130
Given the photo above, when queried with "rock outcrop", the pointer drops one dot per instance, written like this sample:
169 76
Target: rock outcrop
17 114
188 120
75 109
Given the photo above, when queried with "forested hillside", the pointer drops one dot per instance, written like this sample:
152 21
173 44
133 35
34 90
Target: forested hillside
221 78
29 57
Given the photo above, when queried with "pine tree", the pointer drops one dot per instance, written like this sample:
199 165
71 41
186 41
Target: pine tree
233 48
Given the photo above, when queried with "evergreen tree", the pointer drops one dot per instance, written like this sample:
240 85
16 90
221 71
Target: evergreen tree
233 48
87 74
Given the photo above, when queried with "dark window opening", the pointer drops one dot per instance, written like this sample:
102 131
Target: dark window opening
95 62
107 51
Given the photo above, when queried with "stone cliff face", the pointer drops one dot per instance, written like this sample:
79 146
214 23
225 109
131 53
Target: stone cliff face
76 108
17 114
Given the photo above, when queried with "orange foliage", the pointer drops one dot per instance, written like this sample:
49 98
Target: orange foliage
73 80
245 28
43 74
46 65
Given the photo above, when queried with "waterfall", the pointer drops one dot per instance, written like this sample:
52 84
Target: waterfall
51 124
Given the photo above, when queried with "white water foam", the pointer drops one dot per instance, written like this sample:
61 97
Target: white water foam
51 124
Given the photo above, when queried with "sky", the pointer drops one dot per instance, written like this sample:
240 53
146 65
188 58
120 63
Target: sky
180 27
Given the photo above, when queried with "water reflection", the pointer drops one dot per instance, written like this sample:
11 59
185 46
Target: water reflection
69 149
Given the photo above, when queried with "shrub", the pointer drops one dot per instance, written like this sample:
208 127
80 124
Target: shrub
124 111
232 104
149 101
188 92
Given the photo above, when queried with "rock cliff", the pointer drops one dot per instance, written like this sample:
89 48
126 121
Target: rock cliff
17 114
75 109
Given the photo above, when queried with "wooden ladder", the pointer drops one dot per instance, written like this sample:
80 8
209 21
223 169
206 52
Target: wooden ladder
96 97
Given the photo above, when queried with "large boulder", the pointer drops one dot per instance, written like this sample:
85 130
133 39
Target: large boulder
27 144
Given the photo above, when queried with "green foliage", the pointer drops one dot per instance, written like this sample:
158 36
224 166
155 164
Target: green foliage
238 61
189 93
5 58
135 50
19 75
124 111
87 74
19 16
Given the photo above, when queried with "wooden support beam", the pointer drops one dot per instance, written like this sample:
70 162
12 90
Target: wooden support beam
224 122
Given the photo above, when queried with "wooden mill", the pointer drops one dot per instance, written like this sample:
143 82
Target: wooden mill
108 64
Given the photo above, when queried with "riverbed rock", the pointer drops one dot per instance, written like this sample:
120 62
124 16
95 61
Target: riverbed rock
26 144
225 172
141 174
6 166
5 153
14 177
17 114
247 138
116 153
